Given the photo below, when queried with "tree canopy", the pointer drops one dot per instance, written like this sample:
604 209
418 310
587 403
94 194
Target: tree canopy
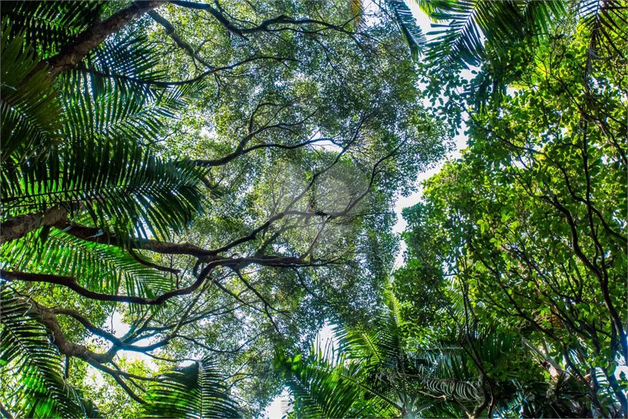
192 190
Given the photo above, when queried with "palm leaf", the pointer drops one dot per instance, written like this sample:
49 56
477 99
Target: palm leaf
137 115
51 24
322 388
539 16
125 60
98 267
606 22
412 33
35 365
32 116
380 342
100 166
470 23
123 187
196 392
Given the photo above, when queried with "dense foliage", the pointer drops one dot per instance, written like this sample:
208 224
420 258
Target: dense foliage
190 191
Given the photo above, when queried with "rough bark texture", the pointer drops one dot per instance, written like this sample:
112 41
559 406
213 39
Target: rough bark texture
76 50
66 347
19 226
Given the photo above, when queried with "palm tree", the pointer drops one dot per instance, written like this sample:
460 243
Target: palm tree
81 151
379 371
76 150
82 155
197 391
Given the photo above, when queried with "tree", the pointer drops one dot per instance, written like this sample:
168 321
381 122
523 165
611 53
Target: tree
499 39
293 134
382 369
530 222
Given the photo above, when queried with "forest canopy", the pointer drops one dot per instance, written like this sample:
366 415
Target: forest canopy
192 191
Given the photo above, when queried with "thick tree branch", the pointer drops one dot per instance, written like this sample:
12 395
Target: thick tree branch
264 26
118 343
48 319
241 151
19 226
5 412
153 265
71 282
94 234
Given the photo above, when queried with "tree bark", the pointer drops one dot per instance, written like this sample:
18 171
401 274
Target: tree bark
76 50
19 226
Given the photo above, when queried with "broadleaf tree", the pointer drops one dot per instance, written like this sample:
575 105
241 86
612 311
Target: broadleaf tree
219 178
190 190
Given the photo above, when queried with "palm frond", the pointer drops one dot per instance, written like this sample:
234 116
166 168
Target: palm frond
356 10
380 342
98 267
32 116
540 15
127 61
197 391
411 31
606 22
470 23
51 24
322 389
123 187
100 164
134 116
35 365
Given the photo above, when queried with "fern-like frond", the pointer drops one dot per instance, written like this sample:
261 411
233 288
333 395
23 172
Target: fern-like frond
411 31
98 267
469 23
127 61
32 116
539 15
380 342
35 364
321 389
197 391
136 115
51 24
606 23
123 187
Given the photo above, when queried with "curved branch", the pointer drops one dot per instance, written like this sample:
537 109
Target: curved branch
71 282
177 39
188 81
265 25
